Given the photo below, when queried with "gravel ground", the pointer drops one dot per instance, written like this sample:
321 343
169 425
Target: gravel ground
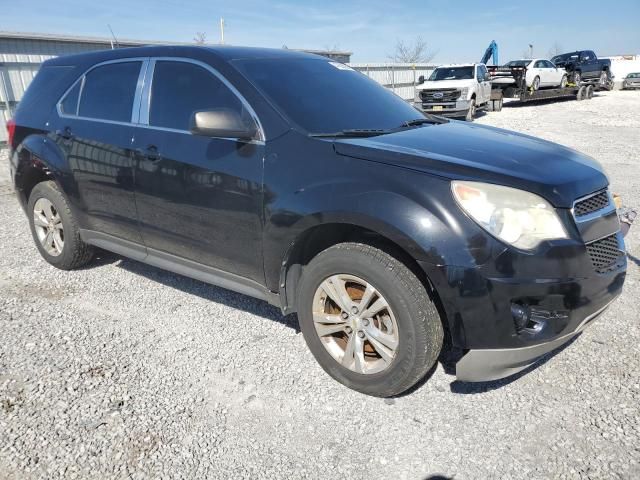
121 370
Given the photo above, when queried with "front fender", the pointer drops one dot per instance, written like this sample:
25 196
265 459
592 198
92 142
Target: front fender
423 220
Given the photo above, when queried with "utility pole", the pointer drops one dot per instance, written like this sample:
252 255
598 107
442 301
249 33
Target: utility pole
530 50
221 31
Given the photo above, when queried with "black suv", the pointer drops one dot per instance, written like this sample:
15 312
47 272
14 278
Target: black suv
297 180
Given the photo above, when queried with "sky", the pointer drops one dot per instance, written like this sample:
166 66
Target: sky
456 31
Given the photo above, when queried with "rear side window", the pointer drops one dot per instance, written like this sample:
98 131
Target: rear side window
109 90
179 89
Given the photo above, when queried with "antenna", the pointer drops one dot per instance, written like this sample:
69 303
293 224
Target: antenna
114 37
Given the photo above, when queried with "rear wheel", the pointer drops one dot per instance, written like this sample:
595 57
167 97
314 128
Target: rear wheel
54 228
368 320
603 79
563 82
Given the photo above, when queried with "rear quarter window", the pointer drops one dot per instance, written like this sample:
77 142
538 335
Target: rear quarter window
44 91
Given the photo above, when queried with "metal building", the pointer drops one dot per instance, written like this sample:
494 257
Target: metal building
22 53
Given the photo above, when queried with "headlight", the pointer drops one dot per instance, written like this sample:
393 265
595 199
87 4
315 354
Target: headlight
464 92
519 218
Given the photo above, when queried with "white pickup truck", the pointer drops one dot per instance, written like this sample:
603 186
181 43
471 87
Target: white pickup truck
454 90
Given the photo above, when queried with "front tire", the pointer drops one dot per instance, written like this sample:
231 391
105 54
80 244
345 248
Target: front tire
368 319
54 228
535 85
471 113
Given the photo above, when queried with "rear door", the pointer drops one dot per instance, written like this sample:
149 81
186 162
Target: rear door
199 198
94 130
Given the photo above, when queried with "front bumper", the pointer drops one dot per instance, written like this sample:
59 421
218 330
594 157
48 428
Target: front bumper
493 364
458 108
559 289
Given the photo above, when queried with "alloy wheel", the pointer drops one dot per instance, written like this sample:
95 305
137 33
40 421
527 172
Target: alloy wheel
355 324
48 226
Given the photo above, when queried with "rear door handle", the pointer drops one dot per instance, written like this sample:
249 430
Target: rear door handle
65 133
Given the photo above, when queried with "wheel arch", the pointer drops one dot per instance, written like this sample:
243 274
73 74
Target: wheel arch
37 160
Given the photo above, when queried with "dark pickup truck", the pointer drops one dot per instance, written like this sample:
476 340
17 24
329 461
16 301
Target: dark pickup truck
584 66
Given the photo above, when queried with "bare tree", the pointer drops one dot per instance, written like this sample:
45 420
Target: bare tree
416 52
556 49
200 38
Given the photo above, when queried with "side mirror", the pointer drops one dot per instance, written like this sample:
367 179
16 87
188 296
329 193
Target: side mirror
487 77
420 79
222 123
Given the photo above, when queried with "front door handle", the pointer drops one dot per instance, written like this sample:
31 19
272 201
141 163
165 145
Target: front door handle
150 153
65 133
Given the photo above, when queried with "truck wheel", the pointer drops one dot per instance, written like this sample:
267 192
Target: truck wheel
54 228
580 94
563 82
603 81
577 78
471 113
368 320
535 85
497 105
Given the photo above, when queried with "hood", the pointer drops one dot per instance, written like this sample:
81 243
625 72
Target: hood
458 150
440 84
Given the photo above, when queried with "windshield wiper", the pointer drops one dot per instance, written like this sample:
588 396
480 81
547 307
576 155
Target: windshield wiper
431 119
354 132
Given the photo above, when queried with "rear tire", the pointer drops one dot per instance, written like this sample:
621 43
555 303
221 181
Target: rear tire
563 82
348 271
54 228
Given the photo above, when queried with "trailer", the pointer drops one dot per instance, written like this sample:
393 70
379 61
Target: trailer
510 82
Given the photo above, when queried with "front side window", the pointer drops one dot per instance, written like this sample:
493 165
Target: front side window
180 88
109 90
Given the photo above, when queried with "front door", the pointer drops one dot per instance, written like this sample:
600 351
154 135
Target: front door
199 198
94 130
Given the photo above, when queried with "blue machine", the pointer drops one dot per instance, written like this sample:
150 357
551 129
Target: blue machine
491 51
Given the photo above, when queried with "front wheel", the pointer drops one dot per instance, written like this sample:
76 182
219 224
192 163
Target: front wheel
471 113
535 85
368 319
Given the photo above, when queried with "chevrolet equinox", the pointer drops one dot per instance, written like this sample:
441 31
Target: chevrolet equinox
297 180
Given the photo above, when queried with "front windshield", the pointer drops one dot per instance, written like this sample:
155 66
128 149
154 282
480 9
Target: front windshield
326 97
451 73
633 75
517 63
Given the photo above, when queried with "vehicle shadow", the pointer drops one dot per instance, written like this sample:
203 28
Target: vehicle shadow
206 291
472 388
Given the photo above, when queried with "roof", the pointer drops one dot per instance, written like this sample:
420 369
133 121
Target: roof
130 42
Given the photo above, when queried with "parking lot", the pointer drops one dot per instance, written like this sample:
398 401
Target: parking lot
122 370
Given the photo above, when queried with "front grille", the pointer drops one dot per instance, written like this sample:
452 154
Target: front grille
433 96
604 254
592 204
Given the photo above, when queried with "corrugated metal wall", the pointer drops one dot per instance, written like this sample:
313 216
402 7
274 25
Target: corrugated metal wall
399 77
